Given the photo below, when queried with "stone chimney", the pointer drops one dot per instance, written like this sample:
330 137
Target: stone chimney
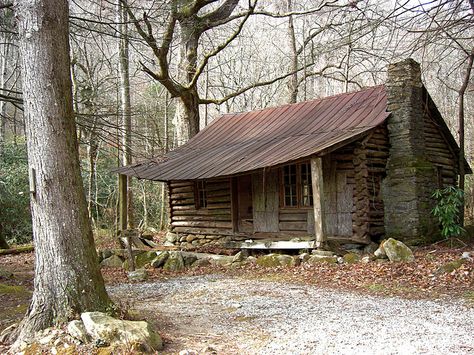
411 178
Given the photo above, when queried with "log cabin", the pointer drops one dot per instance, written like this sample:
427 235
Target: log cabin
357 166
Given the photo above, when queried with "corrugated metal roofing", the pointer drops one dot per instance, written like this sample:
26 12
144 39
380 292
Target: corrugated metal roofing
240 142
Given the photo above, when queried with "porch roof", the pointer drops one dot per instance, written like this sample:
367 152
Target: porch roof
242 142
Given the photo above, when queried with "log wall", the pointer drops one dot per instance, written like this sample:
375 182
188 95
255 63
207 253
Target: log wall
213 219
439 153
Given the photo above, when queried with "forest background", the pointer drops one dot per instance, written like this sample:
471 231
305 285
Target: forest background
147 75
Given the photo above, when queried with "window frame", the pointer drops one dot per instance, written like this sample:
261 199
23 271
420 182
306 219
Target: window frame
200 194
299 186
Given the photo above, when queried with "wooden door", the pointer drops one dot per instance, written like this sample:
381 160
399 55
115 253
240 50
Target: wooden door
245 204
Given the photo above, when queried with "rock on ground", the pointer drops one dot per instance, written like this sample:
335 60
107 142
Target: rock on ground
396 251
103 328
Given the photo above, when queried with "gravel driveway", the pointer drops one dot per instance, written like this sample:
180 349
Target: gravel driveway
235 315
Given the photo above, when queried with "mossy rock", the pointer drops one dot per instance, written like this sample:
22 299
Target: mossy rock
451 266
315 259
201 263
189 259
351 258
113 261
174 262
144 259
397 251
275 260
160 259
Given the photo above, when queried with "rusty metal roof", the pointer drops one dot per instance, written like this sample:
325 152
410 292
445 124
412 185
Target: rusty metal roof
241 142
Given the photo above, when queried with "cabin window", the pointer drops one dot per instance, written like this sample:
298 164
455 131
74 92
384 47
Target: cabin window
200 194
290 186
296 185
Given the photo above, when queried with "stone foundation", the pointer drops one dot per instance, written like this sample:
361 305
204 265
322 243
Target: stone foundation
195 240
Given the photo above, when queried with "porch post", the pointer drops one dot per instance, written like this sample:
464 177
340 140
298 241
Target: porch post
318 197
122 202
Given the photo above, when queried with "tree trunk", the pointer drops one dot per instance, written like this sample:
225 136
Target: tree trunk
67 276
462 91
125 105
186 118
4 40
293 80
92 153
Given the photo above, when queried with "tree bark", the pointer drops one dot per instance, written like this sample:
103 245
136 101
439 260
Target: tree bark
125 105
462 91
67 276
4 40
293 79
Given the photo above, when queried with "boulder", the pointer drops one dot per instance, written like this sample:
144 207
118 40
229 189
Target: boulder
351 258
174 262
396 251
77 330
315 259
275 260
160 259
222 260
188 259
380 252
105 329
238 257
190 238
171 237
322 252
113 261
138 275
201 263
304 257
144 259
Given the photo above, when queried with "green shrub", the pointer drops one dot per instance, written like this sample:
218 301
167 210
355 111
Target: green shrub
448 209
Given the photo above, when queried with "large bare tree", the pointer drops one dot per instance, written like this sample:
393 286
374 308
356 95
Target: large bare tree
67 276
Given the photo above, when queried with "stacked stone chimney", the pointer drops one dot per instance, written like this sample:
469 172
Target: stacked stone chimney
411 178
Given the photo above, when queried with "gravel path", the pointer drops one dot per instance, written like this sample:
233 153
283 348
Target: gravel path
241 316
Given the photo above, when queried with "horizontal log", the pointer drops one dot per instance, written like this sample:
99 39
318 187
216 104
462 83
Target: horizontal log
218 193
377 153
203 224
189 188
212 206
206 231
218 186
174 184
301 217
181 195
182 208
220 218
218 199
203 212
293 226
183 202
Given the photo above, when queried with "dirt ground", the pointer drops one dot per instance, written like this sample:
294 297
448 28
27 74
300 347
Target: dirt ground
424 279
